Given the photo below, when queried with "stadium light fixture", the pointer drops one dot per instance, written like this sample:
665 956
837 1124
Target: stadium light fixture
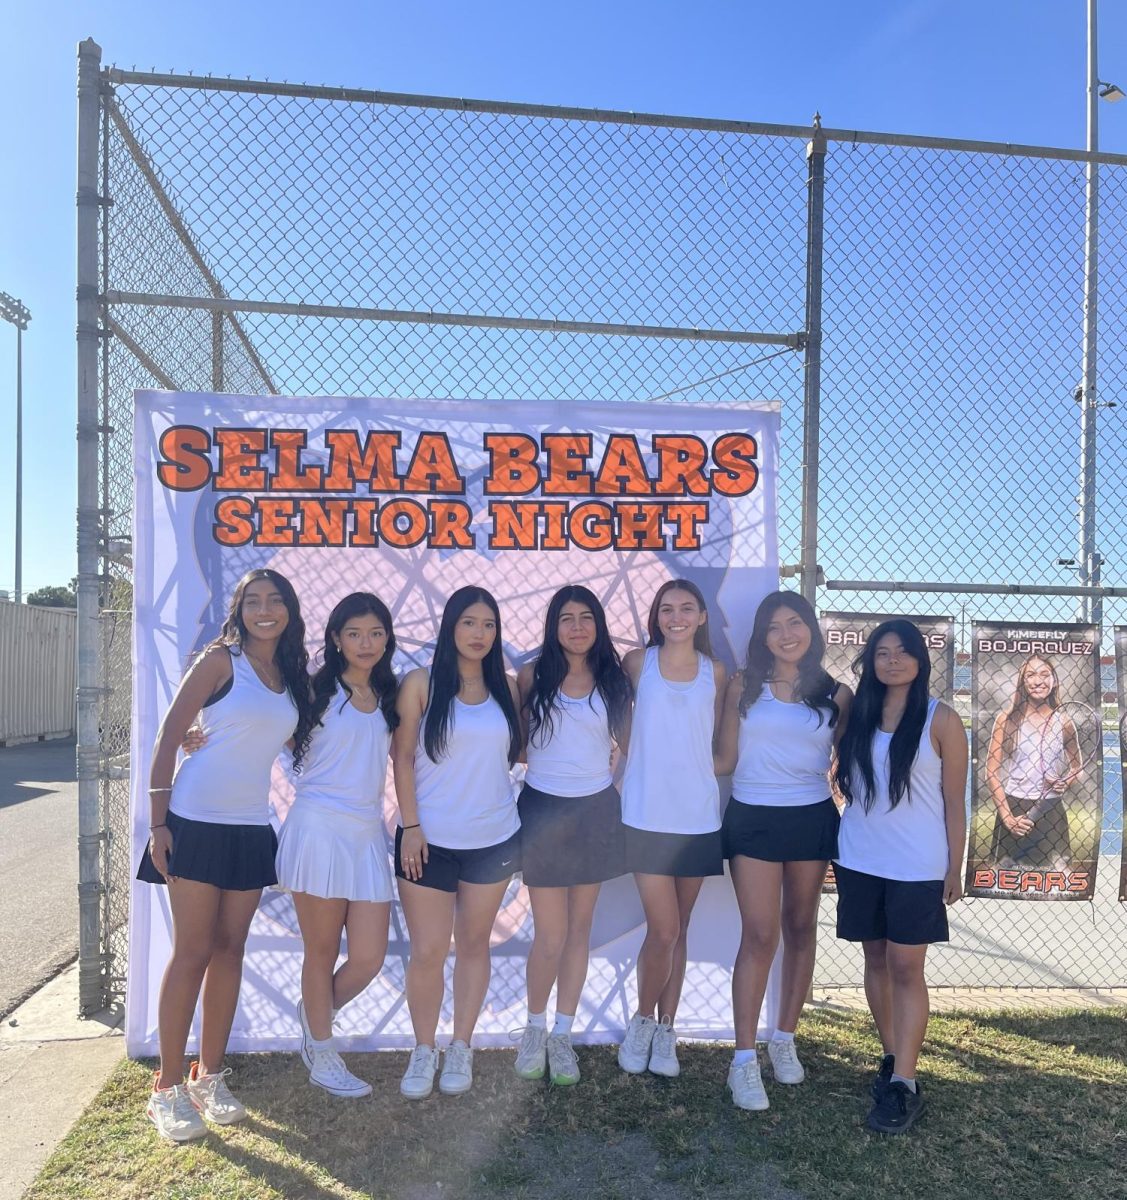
1111 92
17 314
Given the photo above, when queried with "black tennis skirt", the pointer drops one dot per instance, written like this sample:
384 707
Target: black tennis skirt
683 855
235 858
570 840
781 833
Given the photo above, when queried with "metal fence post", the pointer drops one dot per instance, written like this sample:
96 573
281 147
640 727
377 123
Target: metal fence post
812 364
91 959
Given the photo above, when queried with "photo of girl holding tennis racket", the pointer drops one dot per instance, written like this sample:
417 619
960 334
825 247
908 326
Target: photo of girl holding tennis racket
1038 751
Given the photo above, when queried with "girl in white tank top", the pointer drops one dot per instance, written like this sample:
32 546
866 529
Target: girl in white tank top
670 807
210 838
575 705
332 853
457 738
783 714
902 769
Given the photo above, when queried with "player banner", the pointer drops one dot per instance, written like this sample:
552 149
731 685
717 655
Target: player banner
846 635
412 499
1037 732
1121 696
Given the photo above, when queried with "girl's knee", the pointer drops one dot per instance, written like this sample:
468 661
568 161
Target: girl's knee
428 956
366 963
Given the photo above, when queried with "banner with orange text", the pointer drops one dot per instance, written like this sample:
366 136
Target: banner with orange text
412 499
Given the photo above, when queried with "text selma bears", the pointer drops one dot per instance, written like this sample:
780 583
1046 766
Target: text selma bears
370 489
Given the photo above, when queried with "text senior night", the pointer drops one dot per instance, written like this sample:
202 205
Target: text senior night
546 493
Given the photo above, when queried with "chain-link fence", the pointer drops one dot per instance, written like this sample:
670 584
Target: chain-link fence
263 238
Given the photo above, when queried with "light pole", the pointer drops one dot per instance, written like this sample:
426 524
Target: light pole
1091 607
15 313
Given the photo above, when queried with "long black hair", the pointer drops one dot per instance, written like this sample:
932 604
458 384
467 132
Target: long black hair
816 686
551 666
445 681
330 674
702 643
855 753
289 653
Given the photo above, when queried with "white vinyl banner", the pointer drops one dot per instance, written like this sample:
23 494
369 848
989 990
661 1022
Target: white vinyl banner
411 500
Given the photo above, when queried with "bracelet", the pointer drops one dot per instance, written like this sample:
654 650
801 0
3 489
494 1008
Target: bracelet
154 790
406 827
152 827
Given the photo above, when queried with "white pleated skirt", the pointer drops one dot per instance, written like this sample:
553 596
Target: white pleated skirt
334 855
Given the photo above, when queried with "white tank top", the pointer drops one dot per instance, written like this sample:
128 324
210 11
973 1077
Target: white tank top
227 781
669 786
345 765
466 800
575 759
784 754
908 842
1038 753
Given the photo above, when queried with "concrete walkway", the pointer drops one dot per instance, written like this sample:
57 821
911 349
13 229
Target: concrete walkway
52 1064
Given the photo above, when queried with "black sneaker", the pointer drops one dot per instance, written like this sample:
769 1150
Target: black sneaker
897 1109
883 1077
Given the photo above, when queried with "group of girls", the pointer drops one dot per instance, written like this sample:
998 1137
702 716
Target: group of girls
781 726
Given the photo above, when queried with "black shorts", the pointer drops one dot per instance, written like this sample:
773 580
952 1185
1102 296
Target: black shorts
570 840
778 833
871 908
236 858
445 869
683 855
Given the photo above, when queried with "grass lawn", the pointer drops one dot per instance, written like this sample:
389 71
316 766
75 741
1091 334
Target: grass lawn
1021 1103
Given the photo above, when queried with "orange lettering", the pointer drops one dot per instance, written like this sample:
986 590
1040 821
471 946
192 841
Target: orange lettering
567 455
433 468
622 471
290 475
734 455
239 468
680 459
348 466
512 464
185 450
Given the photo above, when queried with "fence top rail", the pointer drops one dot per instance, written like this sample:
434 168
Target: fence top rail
345 95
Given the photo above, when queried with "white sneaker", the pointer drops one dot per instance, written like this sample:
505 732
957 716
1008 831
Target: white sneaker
211 1095
172 1112
563 1066
532 1055
746 1085
306 1037
663 1052
330 1073
457 1070
634 1053
784 1062
418 1080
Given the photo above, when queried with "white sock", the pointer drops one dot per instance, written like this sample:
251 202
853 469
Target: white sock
459 1042
563 1023
316 1044
909 1083
538 1020
744 1056
780 1036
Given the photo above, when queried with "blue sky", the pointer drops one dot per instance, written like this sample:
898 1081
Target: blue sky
1005 70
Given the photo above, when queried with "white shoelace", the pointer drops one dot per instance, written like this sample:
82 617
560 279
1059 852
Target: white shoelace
787 1052
182 1107
458 1061
561 1053
421 1064
665 1040
639 1037
328 1063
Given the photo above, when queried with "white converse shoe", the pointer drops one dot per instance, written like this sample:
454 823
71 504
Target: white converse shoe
784 1062
418 1080
634 1053
532 1055
746 1085
457 1070
211 1095
172 1112
663 1052
330 1073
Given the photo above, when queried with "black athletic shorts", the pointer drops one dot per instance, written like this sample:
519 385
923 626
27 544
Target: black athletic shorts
871 908
445 868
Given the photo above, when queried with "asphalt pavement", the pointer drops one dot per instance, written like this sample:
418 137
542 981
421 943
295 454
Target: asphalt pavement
38 865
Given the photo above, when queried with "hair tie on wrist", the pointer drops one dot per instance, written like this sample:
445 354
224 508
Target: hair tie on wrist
415 826
152 827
